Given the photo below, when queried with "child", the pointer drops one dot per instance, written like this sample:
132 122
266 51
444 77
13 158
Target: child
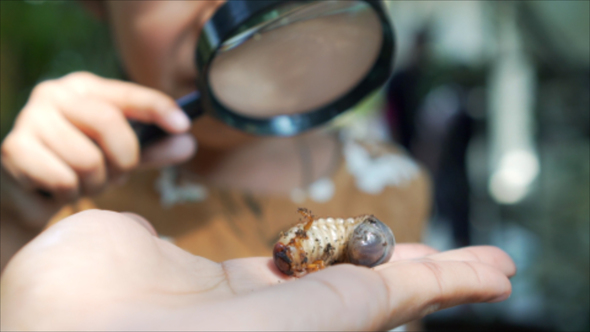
236 194
103 270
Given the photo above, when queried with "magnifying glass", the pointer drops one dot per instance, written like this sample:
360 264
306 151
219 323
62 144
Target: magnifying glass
277 67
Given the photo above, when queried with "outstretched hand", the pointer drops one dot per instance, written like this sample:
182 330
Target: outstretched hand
100 270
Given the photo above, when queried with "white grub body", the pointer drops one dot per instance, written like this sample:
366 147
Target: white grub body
317 243
327 238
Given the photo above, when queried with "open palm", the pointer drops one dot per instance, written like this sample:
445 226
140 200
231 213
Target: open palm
101 270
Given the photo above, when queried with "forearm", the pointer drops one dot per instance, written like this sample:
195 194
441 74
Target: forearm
24 206
12 238
22 217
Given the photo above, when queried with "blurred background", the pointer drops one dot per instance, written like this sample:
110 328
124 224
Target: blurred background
492 97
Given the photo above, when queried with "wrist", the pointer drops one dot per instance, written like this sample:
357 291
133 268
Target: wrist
12 237
27 210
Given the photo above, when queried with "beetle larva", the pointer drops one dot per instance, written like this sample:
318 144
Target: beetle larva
319 242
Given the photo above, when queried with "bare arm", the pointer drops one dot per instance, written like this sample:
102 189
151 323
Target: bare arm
12 238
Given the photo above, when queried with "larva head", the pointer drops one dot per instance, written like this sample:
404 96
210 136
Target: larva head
282 258
371 243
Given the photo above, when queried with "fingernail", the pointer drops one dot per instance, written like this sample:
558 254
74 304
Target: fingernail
500 298
178 121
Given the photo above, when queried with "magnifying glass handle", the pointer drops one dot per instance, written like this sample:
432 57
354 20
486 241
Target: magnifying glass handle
147 134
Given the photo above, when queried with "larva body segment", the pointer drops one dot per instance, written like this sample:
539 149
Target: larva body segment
317 243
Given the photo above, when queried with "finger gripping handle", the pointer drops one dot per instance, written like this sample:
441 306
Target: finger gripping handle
149 133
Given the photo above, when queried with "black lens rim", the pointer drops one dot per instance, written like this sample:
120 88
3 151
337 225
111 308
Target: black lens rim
234 14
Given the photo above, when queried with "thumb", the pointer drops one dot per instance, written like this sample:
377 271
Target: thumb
169 151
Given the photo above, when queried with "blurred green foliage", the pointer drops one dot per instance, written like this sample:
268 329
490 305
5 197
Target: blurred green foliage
47 39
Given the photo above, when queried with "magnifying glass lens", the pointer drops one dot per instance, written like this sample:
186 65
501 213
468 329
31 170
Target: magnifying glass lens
269 67
305 57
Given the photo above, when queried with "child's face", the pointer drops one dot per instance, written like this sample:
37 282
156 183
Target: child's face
156 42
